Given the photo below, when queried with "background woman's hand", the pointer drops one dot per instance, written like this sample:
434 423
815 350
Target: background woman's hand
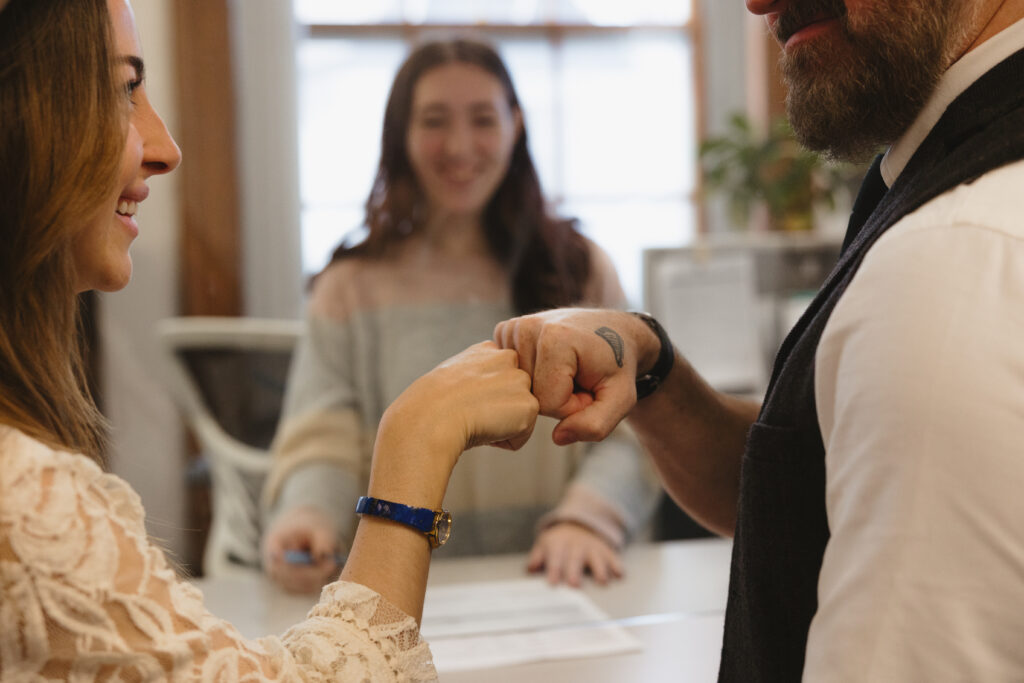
564 551
307 530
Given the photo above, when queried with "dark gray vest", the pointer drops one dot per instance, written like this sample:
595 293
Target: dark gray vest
782 527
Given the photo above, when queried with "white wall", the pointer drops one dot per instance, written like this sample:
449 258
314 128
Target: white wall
724 25
264 60
147 437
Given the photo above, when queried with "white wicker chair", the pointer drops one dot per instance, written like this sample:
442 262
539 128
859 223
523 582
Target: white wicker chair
227 377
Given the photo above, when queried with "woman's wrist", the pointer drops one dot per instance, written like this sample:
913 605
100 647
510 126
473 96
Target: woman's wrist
412 462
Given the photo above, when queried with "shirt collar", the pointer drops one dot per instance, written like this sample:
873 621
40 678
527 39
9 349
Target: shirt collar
955 81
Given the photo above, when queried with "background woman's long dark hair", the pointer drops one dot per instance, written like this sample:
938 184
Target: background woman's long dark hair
546 258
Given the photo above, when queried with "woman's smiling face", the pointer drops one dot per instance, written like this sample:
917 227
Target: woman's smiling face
460 137
101 249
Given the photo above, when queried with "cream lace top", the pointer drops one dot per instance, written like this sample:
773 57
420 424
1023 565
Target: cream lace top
85 595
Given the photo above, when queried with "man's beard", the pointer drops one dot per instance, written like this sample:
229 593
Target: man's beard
851 93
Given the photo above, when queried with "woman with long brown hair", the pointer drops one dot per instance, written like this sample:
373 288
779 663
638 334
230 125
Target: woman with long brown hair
84 593
40 358
458 238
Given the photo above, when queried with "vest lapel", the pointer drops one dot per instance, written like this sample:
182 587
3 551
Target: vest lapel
872 190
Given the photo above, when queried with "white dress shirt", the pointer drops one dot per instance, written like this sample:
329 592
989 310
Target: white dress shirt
919 383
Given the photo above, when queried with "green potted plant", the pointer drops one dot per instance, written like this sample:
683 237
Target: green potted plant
770 170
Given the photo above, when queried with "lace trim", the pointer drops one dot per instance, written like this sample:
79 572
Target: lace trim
86 596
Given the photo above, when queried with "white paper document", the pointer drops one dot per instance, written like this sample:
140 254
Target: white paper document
709 307
490 624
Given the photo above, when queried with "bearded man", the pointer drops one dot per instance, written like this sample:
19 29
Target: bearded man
875 493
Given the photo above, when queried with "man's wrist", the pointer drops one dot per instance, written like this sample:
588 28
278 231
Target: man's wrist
654 362
648 346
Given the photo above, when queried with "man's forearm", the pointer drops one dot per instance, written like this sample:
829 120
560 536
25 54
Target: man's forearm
696 437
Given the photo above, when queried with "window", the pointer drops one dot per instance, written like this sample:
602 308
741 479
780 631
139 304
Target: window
607 87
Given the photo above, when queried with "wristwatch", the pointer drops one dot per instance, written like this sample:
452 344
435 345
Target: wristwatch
646 384
436 525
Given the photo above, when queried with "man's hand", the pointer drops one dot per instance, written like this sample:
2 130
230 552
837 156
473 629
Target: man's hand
584 366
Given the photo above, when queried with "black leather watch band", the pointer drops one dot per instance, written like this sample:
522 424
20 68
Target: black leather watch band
646 384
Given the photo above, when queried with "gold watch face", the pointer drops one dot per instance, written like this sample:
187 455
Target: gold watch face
442 528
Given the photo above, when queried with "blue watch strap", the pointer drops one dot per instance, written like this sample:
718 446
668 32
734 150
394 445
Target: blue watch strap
418 518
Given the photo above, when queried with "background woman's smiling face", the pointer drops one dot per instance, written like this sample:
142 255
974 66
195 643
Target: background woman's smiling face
460 137
101 249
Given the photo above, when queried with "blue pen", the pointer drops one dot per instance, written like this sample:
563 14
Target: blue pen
304 557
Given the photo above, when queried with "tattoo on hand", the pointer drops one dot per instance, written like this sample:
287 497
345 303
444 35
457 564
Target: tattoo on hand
614 341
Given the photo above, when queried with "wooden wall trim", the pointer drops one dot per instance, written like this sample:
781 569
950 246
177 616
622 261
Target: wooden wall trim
210 245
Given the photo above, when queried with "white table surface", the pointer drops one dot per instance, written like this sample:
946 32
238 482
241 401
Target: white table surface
672 599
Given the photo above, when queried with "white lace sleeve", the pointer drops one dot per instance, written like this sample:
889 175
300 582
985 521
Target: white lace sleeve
85 595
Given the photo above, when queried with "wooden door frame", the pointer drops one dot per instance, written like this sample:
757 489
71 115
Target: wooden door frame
210 246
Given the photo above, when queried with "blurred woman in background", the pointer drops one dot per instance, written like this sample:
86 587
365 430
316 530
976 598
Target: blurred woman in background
458 239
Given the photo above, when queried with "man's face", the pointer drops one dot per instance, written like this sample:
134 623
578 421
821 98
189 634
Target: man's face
859 71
